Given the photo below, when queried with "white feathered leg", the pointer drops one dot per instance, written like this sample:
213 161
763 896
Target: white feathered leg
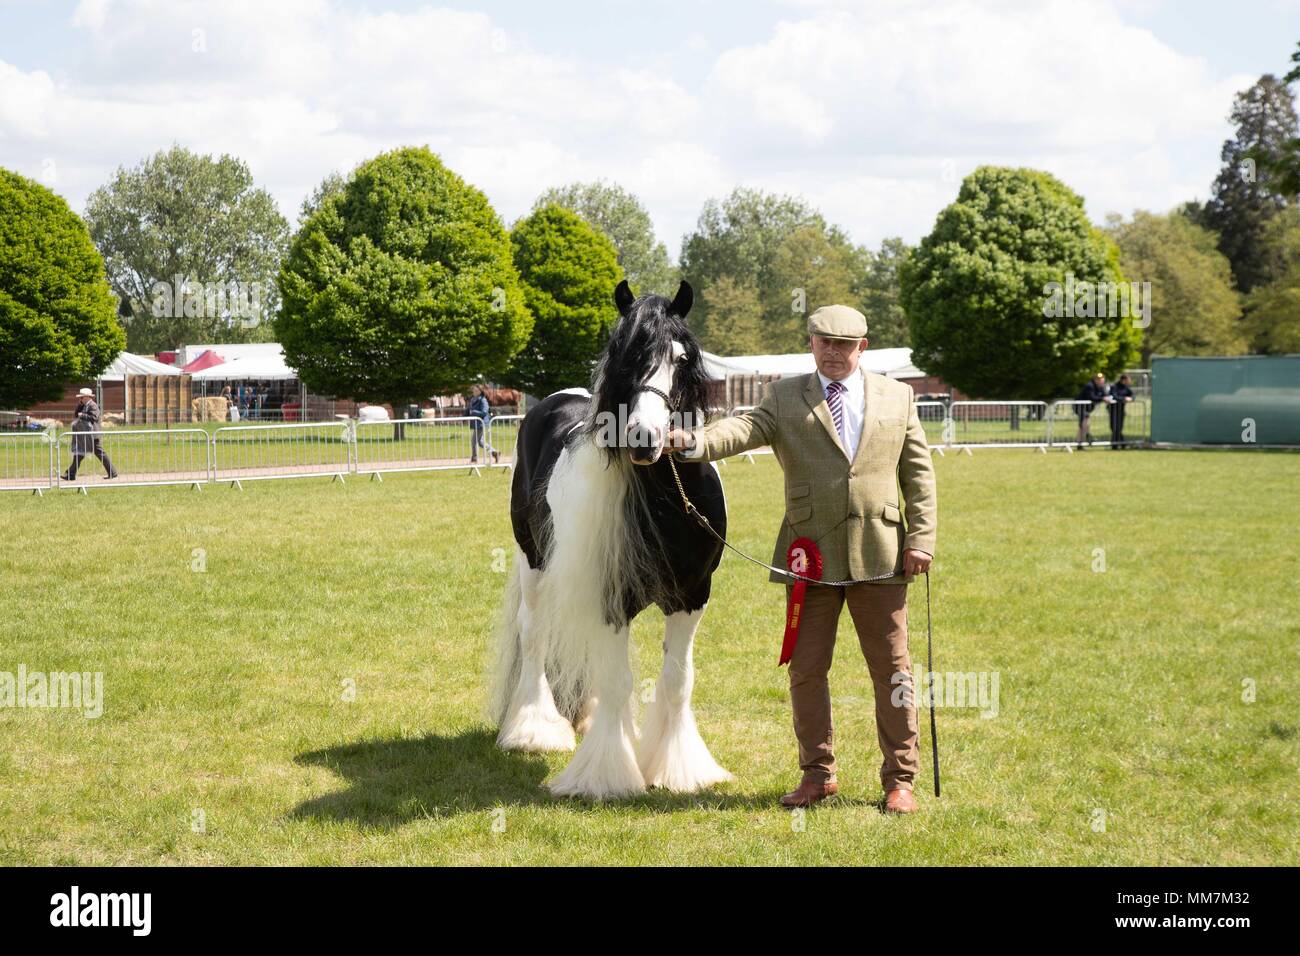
532 722
671 752
605 765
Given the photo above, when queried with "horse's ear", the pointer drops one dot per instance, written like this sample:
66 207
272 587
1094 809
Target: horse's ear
682 300
623 297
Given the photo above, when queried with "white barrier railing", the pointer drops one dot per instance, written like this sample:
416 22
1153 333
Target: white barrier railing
27 461
1009 424
235 453
299 450
503 435
417 444
145 456
935 423
1071 427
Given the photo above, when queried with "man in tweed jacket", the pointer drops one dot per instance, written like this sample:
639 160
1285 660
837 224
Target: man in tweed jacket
849 441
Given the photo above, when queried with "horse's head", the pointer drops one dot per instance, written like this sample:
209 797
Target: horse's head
650 376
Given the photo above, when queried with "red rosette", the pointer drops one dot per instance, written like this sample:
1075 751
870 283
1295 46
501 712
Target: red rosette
804 559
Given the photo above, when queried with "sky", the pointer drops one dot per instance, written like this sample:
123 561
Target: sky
871 110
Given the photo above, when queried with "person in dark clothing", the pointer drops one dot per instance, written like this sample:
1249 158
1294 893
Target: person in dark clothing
1121 393
1094 393
85 436
481 412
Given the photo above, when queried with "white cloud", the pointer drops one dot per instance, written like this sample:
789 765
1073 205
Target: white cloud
868 109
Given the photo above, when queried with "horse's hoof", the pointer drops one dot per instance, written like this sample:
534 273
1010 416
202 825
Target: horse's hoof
537 735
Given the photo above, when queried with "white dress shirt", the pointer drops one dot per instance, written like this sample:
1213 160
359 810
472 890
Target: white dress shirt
851 403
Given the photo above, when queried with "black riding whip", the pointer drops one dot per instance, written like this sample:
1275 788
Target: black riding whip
929 669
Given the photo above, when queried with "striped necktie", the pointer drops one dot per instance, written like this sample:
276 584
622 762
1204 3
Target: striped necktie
834 391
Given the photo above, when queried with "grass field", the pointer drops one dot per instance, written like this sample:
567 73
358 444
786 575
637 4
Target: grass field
230 626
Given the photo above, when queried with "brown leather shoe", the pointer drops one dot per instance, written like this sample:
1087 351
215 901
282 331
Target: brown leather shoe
809 792
900 801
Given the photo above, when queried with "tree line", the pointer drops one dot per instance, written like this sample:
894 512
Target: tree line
400 281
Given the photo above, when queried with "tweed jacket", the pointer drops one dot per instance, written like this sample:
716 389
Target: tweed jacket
851 509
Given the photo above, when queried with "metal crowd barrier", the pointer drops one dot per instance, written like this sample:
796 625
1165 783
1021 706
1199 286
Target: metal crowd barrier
35 461
1009 424
1065 422
145 456
418 444
503 435
27 461
300 450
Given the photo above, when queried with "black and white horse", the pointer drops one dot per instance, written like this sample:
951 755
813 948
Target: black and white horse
601 536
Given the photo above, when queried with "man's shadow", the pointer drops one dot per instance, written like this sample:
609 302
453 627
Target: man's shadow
396 781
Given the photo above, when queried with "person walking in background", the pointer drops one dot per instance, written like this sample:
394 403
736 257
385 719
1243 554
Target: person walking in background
1121 393
1093 392
85 436
482 413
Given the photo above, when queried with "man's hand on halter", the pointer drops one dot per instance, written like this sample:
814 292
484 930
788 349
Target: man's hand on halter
679 440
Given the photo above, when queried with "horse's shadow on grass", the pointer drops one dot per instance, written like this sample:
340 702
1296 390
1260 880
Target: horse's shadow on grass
397 781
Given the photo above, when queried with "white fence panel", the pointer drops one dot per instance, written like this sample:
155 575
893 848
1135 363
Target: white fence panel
418 444
503 435
1076 421
27 461
935 422
1009 424
140 456
300 450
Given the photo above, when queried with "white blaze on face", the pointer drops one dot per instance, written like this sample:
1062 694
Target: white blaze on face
648 418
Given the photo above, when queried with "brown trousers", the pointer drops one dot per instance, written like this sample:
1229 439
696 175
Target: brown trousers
880 615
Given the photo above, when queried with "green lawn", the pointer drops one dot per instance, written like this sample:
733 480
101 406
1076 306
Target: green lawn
1120 692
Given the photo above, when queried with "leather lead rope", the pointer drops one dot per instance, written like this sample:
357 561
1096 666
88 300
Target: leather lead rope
689 507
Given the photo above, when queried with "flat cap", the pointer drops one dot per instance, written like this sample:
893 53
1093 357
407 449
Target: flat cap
838 322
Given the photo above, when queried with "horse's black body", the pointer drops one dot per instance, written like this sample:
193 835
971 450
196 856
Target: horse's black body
684 555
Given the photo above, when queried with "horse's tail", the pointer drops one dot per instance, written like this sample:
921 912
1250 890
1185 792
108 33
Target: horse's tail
504 649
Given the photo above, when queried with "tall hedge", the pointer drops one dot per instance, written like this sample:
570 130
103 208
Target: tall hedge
569 272
58 320
400 285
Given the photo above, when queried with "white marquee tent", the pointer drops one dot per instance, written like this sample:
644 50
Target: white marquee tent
128 363
264 365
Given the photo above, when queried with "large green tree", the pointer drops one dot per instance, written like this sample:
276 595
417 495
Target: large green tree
1000 296
877 293
569 271
400 285
777 246
1282 162
619 215
57 319
818 265
1194 308
192 248
737 326
1273 310
1244 196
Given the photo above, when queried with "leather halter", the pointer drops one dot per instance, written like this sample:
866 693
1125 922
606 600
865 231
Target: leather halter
664 395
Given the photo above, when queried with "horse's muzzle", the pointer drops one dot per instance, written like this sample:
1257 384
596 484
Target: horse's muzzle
644 444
